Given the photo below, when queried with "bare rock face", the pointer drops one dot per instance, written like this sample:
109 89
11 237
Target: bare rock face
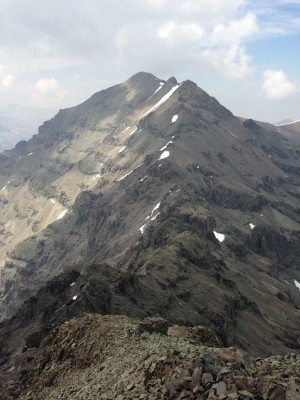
196 335
150 325
93 356
151 199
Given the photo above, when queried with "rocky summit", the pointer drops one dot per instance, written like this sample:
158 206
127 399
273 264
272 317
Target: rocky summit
151 199
116 357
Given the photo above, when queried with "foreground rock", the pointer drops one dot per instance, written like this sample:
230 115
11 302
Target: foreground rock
116 357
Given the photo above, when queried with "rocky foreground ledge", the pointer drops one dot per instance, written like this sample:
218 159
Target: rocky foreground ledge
115 357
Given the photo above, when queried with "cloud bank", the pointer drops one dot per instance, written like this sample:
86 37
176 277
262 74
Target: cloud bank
148 34
58 53
8 80
276 85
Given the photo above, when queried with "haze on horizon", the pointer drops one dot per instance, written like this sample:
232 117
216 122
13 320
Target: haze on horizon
245 53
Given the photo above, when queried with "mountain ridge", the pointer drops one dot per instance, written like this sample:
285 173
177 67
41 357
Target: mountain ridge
148 193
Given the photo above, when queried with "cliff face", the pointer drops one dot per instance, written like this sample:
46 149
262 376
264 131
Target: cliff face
181 209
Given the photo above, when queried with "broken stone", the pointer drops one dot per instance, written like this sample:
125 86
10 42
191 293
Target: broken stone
220 388
207 378
246 394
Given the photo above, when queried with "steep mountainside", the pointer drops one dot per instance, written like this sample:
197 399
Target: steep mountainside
194 213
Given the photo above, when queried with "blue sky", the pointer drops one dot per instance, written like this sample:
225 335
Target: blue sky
245 53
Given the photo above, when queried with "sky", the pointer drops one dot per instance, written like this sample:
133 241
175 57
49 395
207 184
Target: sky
246 53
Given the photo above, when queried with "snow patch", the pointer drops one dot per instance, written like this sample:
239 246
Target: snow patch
163 148
252 226
3 188
126 129
155 216
142 228
62 214
72 284
97 176
289 123
75 297
174 118
219 236
123 177
161 84
29 154
145 177
232 134
135 129
286 282
297 284
122 149
53 201
165 154
155 208
269 156
161 101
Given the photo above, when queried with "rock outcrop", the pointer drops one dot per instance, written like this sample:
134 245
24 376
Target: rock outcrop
99 357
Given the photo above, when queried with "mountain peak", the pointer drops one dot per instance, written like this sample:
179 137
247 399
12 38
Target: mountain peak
172 80
147 176
142 78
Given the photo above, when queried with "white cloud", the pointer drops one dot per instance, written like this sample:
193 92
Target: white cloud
233 61
224 49
277 17
235 30
166 30
276 85
176 29
46 86
8 80
48 92
106 42
192 44
189 31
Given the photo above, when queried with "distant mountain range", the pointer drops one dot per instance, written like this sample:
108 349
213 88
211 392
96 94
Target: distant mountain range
290 130
20 123
283 122
150 199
